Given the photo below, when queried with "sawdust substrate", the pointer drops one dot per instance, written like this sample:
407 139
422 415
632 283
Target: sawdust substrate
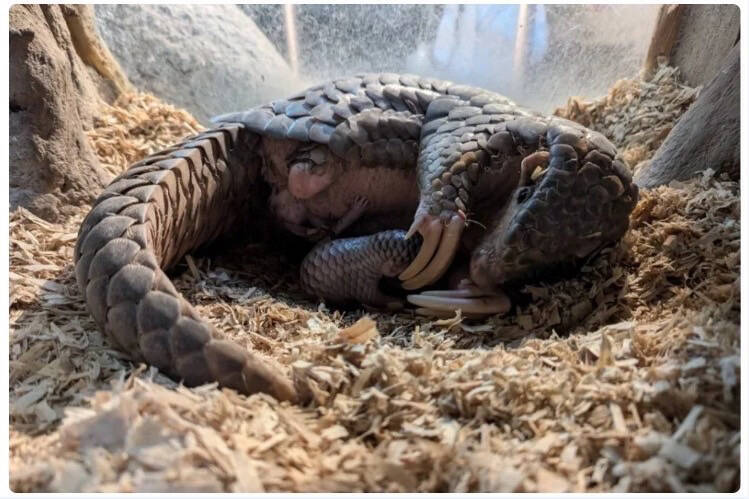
624 377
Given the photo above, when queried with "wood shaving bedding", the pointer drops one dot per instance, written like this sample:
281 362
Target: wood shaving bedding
637 115
623 377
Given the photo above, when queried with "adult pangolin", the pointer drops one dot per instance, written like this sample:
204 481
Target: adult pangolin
360 164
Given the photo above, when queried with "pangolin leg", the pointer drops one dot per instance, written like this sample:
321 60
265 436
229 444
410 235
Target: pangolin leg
144 222
354 213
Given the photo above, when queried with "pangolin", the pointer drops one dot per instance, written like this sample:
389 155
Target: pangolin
360 165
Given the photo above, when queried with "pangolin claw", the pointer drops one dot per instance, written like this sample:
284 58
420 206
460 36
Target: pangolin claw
430 272
529 165
470 300
431 231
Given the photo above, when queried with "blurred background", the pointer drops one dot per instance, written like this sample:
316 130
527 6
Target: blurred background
539 55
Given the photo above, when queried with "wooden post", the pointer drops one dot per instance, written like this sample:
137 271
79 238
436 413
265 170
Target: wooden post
706 35
520 53
91 48
706 136
664 37
695 38
291 37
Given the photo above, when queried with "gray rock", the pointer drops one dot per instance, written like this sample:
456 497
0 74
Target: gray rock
209 59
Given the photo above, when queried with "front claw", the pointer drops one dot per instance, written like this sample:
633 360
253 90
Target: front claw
473 302
437 251
529 165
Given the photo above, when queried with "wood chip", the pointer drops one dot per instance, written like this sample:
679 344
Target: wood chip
362 331
548 481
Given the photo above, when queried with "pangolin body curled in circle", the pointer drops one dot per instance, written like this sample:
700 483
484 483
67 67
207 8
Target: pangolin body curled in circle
352 163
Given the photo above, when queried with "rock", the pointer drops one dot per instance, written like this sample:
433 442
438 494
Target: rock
53 98
706 136
209 59
92 50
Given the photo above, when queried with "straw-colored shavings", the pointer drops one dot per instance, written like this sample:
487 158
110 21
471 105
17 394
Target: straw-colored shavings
623 377
636 114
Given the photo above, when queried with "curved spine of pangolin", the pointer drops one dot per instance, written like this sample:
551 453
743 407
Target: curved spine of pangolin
146 220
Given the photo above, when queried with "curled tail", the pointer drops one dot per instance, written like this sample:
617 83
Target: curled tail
146 220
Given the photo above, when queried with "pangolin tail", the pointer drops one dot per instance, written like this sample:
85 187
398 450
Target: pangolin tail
145 221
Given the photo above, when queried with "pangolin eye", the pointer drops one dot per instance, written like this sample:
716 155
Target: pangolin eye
524 193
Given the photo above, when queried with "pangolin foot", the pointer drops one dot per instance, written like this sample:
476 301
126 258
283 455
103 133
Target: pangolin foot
437 251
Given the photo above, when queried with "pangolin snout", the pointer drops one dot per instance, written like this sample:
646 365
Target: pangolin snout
486 272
